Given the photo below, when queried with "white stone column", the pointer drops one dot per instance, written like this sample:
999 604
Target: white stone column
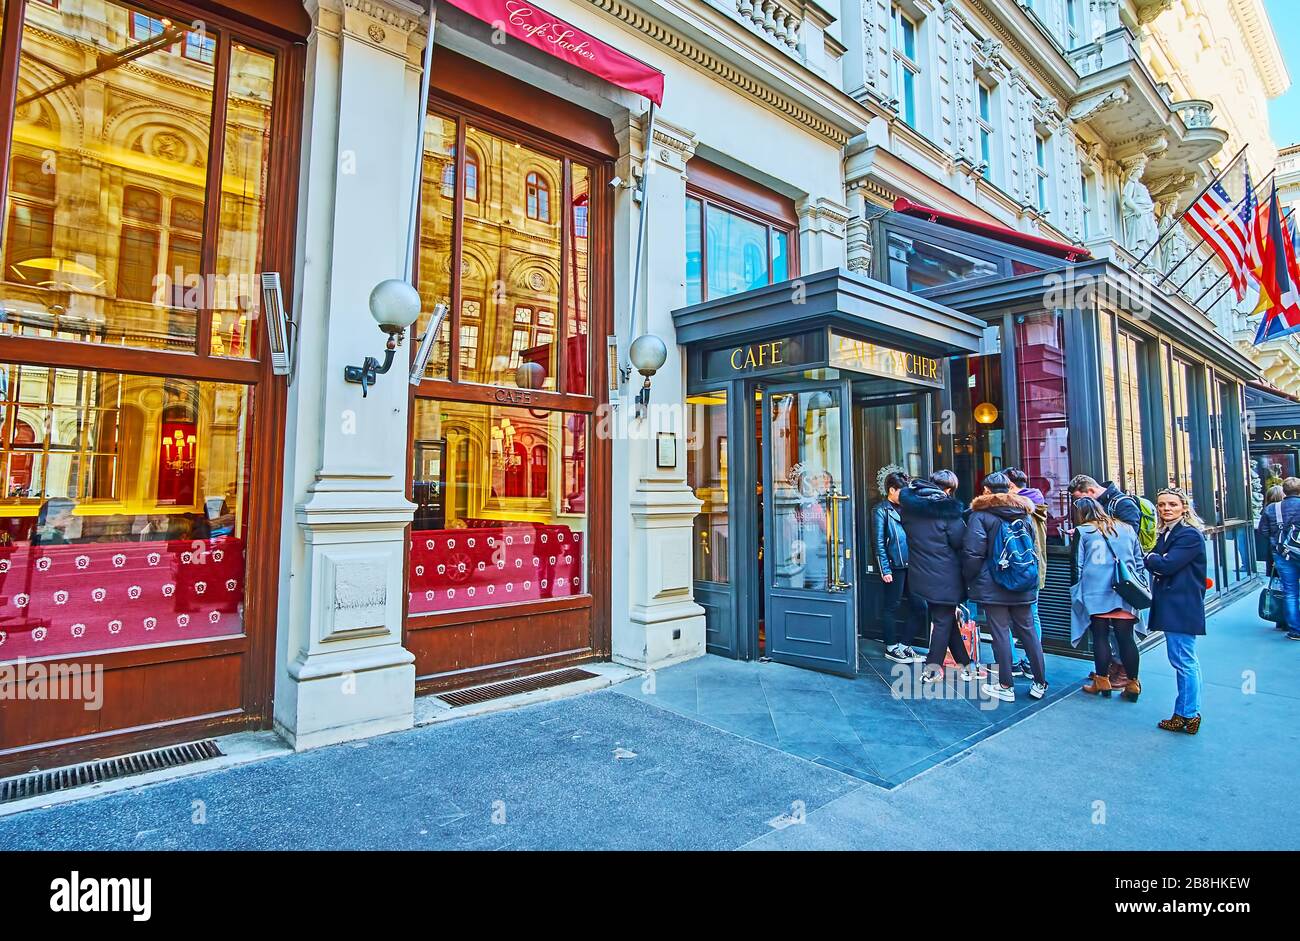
822 225
341 670
655 618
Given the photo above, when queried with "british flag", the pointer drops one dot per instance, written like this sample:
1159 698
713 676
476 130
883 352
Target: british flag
1227 229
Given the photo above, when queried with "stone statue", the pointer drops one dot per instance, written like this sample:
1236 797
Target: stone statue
1139 209
1175 246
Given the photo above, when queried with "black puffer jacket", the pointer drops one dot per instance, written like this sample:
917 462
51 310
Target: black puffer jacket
988 512
935 530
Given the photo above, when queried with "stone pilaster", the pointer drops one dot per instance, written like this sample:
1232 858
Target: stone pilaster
655 618
342 672
822 224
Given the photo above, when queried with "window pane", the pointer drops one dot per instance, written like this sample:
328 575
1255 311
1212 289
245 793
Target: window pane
124 511
502 498
236 295
511 264
437 204
1044 422
738 254
694 252
1131 375
780 256
807 474
706 471
1110 419
916 265
72 268
1181 397
578 292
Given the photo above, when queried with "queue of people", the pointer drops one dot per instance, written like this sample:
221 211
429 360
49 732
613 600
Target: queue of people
1279 529
1139 567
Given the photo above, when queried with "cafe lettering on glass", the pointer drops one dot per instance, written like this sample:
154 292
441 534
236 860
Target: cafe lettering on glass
768 355
865 356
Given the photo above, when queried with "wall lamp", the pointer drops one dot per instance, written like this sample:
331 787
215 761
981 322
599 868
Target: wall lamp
648 355
395 305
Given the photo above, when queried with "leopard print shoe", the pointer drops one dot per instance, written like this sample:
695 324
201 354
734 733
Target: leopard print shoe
1193 725
1174 723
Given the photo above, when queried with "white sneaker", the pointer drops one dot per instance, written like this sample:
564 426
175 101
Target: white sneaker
1038 690
998 691
971 672
931 675
913 656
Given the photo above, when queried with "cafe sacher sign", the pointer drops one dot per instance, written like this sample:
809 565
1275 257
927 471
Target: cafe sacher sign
865 356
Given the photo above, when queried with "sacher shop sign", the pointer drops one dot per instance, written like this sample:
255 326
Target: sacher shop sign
864 356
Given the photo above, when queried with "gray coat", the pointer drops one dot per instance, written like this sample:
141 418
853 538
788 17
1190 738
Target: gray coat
1094 591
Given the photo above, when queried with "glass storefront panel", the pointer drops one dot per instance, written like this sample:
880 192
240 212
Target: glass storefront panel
503 506
1131 379
437 224
511 263
915 265
236 292
694 250
1181 395
104 215
577 290
807 476
124 511
1044 420
1112 455
706 472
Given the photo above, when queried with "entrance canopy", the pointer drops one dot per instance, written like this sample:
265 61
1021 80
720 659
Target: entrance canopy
833 319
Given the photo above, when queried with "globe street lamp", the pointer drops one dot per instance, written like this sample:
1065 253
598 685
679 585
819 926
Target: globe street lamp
395 305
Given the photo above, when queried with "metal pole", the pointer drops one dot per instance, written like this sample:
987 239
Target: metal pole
417 177
640 238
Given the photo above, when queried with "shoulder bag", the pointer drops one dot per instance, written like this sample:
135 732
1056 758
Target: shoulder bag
1130 586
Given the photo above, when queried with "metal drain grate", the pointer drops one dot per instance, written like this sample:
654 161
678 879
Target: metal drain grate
60 779
477 694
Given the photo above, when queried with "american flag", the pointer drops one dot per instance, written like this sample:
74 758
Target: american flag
1227 229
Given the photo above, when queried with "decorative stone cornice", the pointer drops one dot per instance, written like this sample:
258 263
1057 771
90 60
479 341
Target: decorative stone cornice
1253 20
695 53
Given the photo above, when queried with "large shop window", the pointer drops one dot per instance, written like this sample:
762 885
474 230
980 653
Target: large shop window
113 232
729 251
1180 395
1044 419
522 275
135 213
501 496
125 510
503 434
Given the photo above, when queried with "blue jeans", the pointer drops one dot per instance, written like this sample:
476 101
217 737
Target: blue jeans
1289 573
1182 657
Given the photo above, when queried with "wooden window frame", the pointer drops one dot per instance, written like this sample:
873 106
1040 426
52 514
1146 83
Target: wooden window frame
462 113
280 38
721 188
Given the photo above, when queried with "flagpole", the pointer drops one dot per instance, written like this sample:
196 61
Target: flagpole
1218 176
1202 242
1197 302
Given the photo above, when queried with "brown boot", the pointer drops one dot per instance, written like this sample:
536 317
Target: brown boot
1132 690
1118 678
1099 684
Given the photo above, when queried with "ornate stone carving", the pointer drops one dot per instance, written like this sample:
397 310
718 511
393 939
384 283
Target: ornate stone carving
1138 208
859 246
1088 108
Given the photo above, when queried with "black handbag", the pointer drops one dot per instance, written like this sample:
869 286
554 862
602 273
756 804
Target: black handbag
1134 589
1272 603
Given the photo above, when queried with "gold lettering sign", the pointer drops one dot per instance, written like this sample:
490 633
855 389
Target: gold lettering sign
513 397
1282 434
758 355
865 356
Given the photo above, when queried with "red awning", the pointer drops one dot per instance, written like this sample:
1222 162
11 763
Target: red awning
1001 233
533 25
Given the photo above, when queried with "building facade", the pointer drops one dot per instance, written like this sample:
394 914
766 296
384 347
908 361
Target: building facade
905 233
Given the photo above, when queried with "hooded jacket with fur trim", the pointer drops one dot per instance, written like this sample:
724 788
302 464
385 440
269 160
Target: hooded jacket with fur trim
988 512
935 530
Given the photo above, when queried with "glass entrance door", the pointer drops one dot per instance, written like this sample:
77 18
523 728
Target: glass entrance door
809 527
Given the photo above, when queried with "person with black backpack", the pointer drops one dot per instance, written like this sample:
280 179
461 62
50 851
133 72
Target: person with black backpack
1000 564
1280 526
